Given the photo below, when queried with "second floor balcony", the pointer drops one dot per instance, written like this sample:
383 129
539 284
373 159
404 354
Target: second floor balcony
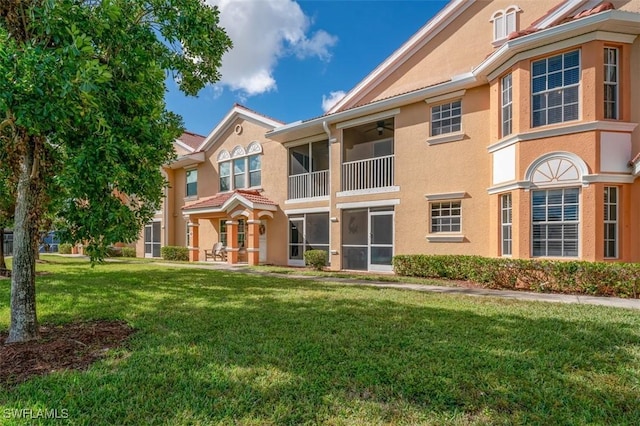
367 174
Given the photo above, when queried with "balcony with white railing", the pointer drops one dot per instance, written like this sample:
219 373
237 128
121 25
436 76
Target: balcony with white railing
309 185
368 174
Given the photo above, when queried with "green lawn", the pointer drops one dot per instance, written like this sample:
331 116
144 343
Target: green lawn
217 347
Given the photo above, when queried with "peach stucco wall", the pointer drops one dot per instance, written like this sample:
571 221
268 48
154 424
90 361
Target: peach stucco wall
464 165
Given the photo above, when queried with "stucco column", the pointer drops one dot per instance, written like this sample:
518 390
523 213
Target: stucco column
253 240
194 240
232 242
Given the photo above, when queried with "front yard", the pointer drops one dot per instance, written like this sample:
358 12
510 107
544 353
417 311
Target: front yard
218 347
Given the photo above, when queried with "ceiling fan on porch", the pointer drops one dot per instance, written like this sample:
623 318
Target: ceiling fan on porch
380 127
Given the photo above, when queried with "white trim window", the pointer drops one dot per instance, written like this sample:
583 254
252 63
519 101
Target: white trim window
611 222
240 169
222 234
191 189
555 89
504 22
611 55
239 173
506 224
506 106
446 216
555 222
446 118
225 176
255 171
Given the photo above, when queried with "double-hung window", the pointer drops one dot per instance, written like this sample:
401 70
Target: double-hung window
446 216
239 173
225 176
446 118
611 83
192 183
555 222
506 224
555 87
506 106
611 222
254 171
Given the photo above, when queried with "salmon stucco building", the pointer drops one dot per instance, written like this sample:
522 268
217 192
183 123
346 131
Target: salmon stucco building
501 128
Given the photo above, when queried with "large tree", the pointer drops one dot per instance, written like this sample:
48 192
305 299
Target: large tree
84 121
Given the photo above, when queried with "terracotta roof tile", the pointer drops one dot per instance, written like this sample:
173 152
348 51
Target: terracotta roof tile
219 199
604 6
193 140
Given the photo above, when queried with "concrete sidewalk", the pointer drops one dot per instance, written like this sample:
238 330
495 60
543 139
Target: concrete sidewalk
505 294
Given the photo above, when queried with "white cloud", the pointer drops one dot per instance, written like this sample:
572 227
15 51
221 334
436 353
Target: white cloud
263 32
329 101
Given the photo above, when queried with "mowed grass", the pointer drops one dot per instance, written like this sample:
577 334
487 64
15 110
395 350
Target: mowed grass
217 347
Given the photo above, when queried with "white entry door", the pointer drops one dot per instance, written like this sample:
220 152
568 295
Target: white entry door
263 241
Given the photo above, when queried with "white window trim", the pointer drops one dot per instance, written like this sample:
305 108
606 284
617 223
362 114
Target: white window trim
615 83
505 14
503 105
614 221
509 224
186 185
563 88
578 222
444 233
449 136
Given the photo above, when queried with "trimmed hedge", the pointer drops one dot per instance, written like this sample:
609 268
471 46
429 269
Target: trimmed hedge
316 259
548 276
174 253
128 252
64 248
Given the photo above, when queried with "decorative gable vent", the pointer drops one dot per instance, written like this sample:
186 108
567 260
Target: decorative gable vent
504 23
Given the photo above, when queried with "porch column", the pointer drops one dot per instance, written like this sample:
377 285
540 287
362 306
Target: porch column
194 240
253 240
232 242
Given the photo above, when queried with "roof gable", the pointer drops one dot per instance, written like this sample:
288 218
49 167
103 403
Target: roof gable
238 111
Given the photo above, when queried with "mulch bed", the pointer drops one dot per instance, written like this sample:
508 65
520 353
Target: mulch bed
73 346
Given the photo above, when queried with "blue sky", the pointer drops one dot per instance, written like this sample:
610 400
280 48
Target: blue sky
289 55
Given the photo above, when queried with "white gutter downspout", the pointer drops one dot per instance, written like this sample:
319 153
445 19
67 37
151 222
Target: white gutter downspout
327 130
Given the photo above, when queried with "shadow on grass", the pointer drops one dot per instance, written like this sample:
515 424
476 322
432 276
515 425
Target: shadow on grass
223 347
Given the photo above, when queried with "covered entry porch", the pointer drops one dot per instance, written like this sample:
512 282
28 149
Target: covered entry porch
238 220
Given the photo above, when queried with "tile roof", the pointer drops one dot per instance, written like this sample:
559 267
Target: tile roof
532 29
193 140
220 199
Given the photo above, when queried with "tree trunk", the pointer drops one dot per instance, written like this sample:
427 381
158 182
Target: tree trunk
3 265
24 322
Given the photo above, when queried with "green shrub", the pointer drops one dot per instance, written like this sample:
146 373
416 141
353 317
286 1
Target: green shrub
174 253
128 252
552 276
64 248
316 259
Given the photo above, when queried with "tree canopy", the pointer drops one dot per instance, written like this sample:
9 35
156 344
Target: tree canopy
84 125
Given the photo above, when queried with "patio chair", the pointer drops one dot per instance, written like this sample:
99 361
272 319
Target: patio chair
217 252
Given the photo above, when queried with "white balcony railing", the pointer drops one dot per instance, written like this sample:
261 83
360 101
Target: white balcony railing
367 174
309 185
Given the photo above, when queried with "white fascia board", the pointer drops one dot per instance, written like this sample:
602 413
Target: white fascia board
187 160
183 145
560 13
224 124
419 39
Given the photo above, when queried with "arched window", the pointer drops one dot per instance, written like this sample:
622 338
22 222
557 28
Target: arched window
241 168
555 204
504 22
